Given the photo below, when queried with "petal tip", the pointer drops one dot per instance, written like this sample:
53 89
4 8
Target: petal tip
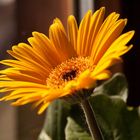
102 8
131 33
34 33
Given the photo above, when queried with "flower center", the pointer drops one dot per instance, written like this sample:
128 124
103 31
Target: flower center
67 71
69 75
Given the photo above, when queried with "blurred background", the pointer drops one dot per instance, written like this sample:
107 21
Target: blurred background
18 18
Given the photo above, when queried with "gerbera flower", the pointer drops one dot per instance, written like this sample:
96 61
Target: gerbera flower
60 65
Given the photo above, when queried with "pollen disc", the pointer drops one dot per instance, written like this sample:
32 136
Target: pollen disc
67 71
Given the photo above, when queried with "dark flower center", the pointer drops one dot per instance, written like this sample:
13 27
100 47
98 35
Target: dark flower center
69 75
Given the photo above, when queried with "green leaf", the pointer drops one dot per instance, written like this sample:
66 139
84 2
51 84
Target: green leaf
56 119
44 136
116 120
117 85
75 132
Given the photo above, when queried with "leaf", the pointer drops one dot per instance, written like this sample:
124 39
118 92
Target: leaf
44 136
117 85
56 119
75 132
116 120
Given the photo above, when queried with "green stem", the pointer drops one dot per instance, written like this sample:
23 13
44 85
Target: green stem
91 120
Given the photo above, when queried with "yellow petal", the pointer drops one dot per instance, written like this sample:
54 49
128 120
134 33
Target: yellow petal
43 107
87 31
83 32
60 42
102 76
85 80
105 37
72 31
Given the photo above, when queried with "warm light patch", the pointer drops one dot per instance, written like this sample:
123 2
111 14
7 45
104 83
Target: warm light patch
67 71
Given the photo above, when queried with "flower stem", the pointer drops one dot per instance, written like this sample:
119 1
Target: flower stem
91 120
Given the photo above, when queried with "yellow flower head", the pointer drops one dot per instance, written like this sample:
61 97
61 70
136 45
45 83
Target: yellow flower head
58 66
